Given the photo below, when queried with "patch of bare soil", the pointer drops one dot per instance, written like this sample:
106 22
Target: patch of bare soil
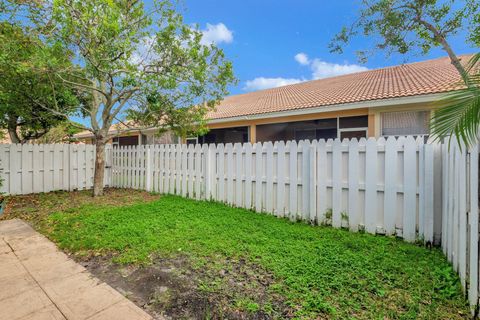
173 289
34 208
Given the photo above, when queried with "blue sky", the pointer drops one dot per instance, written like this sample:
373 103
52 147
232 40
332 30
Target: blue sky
263 37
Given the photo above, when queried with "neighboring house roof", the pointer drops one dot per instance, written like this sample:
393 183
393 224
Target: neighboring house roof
420 78
114 129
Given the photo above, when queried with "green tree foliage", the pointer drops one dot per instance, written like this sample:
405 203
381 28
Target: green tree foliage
132 57
62 133
28 93
417 26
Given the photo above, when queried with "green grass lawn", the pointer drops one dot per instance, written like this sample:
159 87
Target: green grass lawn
319 272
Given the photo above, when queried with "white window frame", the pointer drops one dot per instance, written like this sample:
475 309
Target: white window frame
351 130
339 131
191 139
117 144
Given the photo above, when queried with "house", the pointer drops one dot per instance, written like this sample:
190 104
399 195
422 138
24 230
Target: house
129 134
389 101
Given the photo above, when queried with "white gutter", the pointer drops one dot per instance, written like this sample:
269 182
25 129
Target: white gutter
337 107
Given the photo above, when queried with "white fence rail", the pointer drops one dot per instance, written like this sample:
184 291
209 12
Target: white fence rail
32 168
460 215
384 186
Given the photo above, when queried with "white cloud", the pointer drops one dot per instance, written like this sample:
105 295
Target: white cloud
261 83
143 54
322 69
302 58
217 33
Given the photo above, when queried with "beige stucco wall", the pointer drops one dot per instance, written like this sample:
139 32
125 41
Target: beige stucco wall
374 118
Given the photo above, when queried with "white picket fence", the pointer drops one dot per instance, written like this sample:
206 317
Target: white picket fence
384 186
460 215
33 168
399 187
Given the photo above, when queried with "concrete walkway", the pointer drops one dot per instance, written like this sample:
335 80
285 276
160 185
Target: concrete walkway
37 281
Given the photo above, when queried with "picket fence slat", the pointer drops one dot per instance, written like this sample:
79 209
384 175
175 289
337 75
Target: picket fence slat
280 194
238 174
337 184
258 147
409 185
473 222
269 177
322 182
371 186
306 180
293 183
353 196
390 198
248 176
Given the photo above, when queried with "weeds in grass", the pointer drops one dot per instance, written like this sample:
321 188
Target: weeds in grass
318 272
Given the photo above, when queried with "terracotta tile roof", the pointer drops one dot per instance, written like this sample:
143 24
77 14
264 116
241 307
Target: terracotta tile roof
116 127
431 76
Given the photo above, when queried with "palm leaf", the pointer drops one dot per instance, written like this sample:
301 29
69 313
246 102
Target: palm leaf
474 60
459 114
459 117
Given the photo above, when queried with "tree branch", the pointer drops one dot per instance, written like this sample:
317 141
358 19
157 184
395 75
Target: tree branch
440 37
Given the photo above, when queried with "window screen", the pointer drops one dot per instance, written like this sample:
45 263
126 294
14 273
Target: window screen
353 134
305 134
353 122
405 123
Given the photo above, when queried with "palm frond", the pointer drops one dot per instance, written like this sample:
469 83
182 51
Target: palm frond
472 63
459 114
459 117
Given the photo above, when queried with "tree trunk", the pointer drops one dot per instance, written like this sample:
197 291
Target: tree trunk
12 130
99 167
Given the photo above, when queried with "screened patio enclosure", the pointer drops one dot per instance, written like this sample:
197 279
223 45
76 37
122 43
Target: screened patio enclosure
345 127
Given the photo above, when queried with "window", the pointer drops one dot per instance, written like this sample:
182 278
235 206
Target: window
115 142
193 140
353 127
144 139
125 141
353 122
405 123
225 135
315 129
